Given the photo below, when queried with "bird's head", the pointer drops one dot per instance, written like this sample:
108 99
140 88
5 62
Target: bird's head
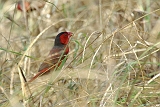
63 38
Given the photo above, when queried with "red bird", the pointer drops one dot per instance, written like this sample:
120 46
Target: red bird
30 6
56 55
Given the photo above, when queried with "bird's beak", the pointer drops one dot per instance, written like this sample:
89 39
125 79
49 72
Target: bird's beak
70 34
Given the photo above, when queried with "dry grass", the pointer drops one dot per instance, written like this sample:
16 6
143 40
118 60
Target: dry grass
114 58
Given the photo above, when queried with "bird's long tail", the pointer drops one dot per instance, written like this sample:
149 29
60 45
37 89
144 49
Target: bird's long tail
39 74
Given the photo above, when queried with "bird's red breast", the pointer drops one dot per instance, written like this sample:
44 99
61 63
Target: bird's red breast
56 55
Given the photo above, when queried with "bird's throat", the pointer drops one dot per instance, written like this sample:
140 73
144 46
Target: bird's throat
66 50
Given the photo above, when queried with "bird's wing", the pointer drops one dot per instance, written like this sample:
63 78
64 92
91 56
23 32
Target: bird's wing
53 59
